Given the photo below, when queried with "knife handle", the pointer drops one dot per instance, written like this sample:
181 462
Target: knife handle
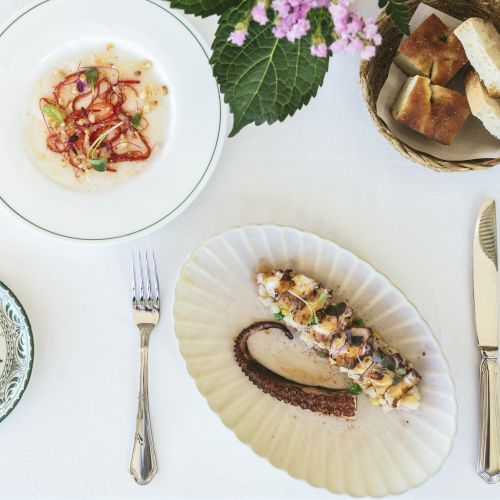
488 466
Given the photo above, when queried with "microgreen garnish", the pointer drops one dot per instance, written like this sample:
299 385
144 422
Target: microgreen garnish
389 363
323 296
81 85
53 113
136 119
313 319
98 164
278 316
358 322
92 75
336 309
355 389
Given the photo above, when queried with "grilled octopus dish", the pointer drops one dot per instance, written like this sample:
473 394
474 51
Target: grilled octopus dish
330 328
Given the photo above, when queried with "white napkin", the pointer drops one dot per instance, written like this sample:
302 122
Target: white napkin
473 141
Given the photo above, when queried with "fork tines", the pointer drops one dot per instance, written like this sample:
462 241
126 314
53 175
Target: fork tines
145 288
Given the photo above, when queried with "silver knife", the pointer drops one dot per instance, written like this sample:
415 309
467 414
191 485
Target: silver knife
485 277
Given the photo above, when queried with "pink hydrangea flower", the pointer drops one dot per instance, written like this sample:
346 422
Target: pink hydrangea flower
281 7
317 4
259 13
355 46
238 36
370 29
352 34
355 25
319 50
298 30
339 45
368 52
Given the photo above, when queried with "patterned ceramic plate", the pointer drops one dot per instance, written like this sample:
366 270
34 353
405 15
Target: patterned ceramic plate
16 351
377 453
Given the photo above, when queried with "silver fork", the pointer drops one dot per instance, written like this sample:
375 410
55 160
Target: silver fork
146 307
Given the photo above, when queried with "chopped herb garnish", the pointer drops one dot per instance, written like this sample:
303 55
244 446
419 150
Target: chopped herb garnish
336 309
389 363
278 316
53 113
98 164
136 119
81 85
323 296
313 319
358 322
401 372
321 354
92 75
355 389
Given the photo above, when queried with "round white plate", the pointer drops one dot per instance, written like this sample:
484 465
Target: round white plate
49 33
16 351
376 454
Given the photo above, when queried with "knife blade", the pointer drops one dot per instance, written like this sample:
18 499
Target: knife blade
486 276
485 280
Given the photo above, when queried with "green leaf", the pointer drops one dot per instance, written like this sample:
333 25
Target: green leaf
336 309
355 389
313 319
278 316
204 8
98 164
389 363
92 75
136 120
53 113
358 322
267 79
399 12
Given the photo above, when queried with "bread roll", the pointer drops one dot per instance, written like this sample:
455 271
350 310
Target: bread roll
434 111
482 105
481 42
432 51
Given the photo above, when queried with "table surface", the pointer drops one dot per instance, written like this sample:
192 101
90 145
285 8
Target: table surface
70 436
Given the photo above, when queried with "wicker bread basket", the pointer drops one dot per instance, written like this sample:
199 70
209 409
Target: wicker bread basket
373 74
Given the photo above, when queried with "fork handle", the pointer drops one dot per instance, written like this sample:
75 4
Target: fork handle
488 465
143 461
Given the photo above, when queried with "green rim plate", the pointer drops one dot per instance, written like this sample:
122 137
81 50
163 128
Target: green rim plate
16 351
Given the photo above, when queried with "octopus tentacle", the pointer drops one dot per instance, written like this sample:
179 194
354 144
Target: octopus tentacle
338 402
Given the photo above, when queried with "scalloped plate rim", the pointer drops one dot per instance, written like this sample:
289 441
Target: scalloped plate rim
388 281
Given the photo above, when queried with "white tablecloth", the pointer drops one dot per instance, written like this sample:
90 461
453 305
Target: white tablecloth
325 170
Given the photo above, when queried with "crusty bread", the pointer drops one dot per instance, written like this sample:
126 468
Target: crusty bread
433 51
482 105
481 42
434 111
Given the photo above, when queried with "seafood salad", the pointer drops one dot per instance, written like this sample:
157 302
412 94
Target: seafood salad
97 117
331 328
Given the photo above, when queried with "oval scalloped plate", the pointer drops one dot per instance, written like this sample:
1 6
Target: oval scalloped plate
16 351
377 453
